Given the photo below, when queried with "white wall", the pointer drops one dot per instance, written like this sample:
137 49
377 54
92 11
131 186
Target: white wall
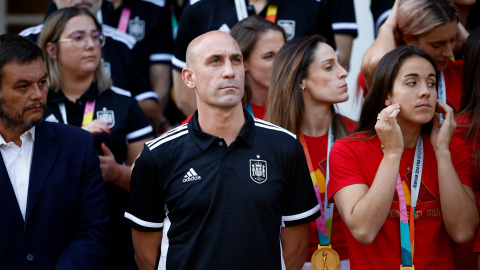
351 108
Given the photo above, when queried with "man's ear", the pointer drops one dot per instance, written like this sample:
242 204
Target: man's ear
51 50
188 77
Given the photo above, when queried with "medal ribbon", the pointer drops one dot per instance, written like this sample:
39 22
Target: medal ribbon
124 18
324 221
442 92
407 224
249 109
272 12
87 113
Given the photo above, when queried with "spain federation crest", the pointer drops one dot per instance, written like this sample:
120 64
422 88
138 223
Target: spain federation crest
258 170
106 116
136 28
289 28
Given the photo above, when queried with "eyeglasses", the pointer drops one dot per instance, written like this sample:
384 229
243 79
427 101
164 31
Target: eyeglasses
80 39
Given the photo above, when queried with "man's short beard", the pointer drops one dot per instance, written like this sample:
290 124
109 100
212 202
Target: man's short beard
14 124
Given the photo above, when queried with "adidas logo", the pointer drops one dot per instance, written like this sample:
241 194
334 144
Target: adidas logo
191 176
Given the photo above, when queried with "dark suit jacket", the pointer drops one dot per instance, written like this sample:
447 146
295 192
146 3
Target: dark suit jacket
65 220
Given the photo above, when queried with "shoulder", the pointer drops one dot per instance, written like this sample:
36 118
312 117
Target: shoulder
160 3
114 34
165 141
120 91
66 133
34 30
357 143
349 123
271 129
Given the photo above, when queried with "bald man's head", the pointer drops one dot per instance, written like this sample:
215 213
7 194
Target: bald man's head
204 43
215 70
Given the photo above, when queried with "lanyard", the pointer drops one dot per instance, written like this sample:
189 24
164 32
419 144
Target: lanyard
249 109
324 222
272 12
407 224
241 9
442 92
124 18
87 113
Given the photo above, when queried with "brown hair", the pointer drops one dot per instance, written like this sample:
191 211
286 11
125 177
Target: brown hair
247 32
285 105
382 86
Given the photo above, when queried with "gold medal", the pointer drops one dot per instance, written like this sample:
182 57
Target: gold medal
325 258
407 267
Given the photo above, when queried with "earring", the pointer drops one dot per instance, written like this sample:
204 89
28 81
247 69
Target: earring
302 87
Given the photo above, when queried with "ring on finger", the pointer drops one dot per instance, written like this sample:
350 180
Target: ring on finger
378 118
388 120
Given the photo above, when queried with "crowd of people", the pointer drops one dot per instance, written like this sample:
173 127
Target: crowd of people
155 134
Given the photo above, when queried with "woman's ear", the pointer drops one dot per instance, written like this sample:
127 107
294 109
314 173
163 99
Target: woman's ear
388 101
409 39
51 49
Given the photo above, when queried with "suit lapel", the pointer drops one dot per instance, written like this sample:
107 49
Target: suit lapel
44 154
7 194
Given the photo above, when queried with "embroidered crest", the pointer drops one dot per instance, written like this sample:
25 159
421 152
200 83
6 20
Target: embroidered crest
289 28
136 28
258 170
224 28
106 116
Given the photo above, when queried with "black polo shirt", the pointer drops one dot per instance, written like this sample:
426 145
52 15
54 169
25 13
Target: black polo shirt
116 59
221 207
128 124
150 24
298 18
343 17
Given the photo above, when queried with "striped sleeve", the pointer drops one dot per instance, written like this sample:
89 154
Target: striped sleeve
145 209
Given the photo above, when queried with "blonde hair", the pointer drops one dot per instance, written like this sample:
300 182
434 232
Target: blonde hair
419 17
52 29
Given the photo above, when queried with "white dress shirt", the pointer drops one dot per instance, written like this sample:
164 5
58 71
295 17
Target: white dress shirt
17 161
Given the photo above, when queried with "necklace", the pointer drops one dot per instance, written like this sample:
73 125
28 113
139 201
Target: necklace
408 163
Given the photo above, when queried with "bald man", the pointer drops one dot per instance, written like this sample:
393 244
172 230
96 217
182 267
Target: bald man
225 190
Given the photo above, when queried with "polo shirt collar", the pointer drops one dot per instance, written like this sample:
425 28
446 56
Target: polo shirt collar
59 97
204 140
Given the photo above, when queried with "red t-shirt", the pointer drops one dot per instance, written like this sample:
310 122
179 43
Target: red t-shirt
466 258
317 147
453 83
258 111
356 160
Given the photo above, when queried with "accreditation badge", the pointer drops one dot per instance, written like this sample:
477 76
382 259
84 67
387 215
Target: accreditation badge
325 258
407 267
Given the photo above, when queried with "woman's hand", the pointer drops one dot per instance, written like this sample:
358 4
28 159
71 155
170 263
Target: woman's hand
388 131
442 134
108 164
97 126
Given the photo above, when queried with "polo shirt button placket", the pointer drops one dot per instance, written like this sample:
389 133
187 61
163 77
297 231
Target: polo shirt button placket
30 257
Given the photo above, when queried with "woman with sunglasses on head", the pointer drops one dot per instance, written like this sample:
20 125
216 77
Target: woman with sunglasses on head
306 83
433 26
402 183
81 94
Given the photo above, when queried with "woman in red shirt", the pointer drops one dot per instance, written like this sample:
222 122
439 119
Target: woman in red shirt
306 83
403 168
